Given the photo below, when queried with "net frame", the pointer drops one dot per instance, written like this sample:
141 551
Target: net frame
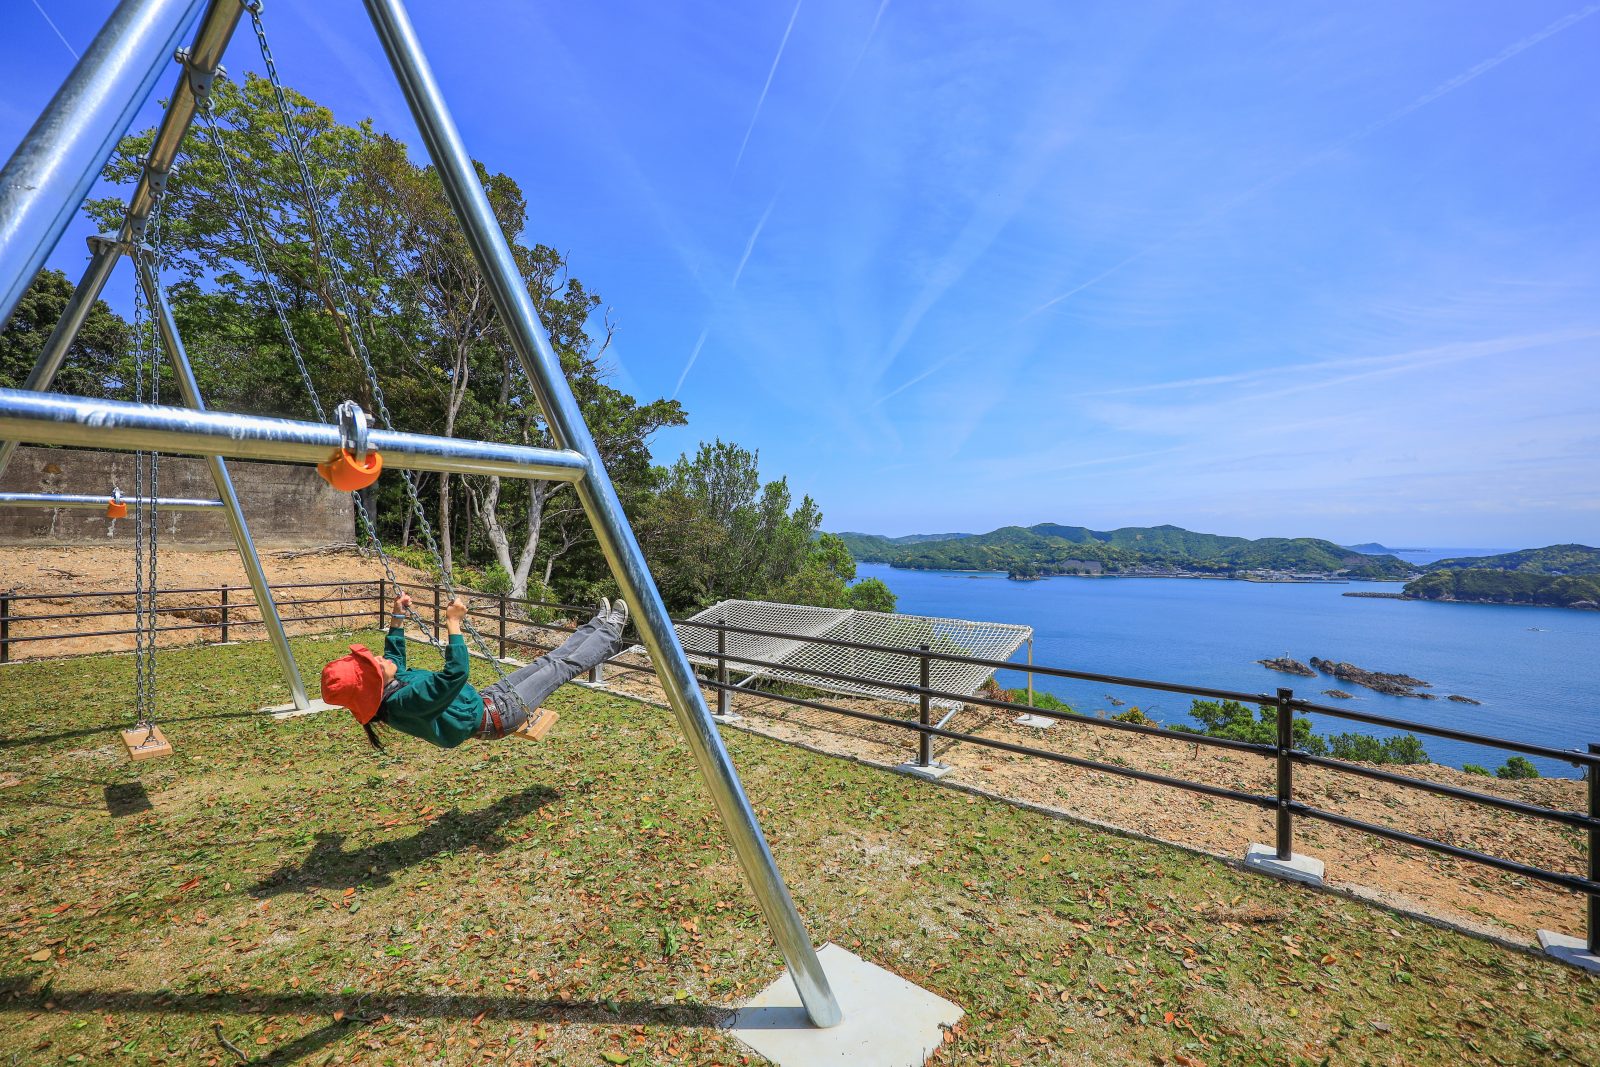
962 637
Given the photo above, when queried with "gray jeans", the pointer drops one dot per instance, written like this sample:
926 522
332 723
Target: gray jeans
518 695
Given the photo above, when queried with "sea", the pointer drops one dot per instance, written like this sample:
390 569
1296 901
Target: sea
1534 669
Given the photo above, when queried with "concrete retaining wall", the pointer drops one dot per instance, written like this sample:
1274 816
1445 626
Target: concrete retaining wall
286 506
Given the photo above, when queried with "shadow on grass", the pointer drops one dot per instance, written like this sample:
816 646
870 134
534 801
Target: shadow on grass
21 995
330 866
116 727
127 798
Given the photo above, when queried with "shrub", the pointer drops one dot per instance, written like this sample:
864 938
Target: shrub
1473 768
1517 767
1135 716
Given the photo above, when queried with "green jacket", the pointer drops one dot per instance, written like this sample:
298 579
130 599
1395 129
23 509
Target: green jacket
437 706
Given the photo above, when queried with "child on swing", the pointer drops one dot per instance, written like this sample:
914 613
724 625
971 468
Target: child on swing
440 707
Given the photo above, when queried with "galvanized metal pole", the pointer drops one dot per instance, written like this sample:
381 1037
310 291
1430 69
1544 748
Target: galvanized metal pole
600 502
1285 826
103 256
190 389
90 502
47 177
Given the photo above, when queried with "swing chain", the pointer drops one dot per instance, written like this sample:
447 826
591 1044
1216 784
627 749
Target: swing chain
321 230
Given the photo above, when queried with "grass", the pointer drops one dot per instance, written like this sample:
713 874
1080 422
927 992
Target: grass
279 886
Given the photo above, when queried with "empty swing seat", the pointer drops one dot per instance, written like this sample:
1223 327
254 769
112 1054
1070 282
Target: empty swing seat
146 742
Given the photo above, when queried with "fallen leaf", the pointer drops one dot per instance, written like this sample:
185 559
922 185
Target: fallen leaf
40 956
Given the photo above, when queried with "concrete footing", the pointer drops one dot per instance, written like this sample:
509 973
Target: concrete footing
933 771
728 719
887 1020
289 711
1297 868
1035 722
1569 949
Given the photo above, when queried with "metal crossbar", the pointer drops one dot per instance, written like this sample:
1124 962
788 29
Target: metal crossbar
90 501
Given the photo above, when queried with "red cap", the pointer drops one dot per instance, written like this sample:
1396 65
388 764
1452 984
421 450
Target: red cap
355 682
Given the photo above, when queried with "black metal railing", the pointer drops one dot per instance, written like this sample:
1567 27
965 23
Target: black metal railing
370 600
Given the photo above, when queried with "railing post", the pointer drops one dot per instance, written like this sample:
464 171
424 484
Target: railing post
1594 852
724 697
924 709
1285 704
1030 673
383 588
502 626
5 626
224 612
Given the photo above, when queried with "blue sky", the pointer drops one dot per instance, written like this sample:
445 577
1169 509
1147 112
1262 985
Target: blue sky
1311 269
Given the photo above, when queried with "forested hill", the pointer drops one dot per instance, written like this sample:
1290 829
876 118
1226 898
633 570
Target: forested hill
1563 576
1048 549
1554 560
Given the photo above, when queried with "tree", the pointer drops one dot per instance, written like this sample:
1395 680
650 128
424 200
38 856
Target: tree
712 531
415 298
95 361
871 594
1517 767
1233 720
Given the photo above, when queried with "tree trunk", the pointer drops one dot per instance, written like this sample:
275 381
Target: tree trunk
446 547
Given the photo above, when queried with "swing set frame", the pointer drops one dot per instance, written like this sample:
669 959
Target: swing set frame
45 182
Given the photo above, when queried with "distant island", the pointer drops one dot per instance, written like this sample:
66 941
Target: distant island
1049 550
1554 576
1560 576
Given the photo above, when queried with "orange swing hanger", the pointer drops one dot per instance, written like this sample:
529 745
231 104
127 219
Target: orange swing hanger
116 507
353 467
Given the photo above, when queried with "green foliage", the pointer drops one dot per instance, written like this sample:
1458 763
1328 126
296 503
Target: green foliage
1135 716
1517 767
1473 768
712 531
1553 560
1482 585
96 363
1231 719
1364 748
1047 549
871 594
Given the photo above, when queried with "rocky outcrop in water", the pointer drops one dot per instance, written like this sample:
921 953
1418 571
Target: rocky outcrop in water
1287 666
1459 699
1338 693
1396 685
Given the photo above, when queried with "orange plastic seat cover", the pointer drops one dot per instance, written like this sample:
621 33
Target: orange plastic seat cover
342 471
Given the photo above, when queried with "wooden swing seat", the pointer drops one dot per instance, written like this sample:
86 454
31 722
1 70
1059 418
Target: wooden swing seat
146 742
535 728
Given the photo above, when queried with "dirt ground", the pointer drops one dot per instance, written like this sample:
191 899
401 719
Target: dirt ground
1412 878
109 572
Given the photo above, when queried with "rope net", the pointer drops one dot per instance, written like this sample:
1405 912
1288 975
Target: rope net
796 649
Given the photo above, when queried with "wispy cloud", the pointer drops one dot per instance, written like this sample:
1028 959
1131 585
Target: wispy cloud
771 73
46 15
750 244
694 355
1443 89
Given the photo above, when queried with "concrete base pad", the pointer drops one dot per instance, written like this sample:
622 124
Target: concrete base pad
887 1020
1037 722
1569 949
289 711
728 719
932 772
1264 858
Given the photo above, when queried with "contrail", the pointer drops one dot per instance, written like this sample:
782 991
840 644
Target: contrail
762 99
1471 74
698 345
59 34
750 245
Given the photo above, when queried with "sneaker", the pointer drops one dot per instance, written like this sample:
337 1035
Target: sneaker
619 615
605 608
